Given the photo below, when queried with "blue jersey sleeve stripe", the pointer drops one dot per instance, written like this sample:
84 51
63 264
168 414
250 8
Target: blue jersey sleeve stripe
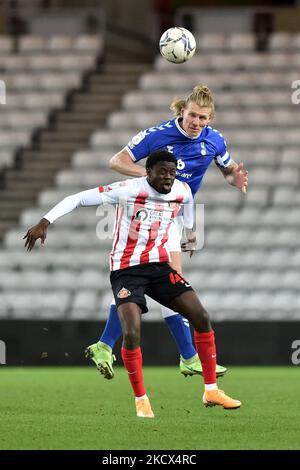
130 153
227 161
225 156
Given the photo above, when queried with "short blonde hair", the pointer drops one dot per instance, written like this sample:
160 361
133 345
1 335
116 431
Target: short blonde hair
201 95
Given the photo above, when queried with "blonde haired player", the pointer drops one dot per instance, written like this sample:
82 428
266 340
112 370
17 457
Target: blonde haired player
195 145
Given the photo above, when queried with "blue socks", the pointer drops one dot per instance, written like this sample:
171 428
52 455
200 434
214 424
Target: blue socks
180 329
113 329
178 326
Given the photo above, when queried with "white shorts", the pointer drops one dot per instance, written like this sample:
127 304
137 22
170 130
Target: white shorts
175 234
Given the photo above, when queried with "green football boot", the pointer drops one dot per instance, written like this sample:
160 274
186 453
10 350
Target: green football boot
193 366
101 354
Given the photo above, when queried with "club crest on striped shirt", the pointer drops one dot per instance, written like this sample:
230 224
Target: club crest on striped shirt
123 293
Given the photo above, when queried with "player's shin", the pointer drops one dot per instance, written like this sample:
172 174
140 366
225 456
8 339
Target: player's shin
180 329
113 329
133 362
206 348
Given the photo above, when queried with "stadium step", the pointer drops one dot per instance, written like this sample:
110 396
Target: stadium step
42 166
110 88
45 156
113 79
88 126
134 68
22 185
7 225
62 135
100 98
69 146
90 115
9 209
15 195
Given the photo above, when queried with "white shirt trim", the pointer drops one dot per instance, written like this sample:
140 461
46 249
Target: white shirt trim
130 153
185 133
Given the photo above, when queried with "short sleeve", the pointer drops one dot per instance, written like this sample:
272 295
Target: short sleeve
139 146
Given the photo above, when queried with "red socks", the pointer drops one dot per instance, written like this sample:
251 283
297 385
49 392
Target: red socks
206 349
133 361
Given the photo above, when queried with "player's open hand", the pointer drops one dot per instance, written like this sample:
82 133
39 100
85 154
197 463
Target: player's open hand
36 232
239 178
189 245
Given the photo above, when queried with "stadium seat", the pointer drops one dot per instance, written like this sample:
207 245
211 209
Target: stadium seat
32 304
100 139
229 258
6 158
211 42
295 42
280 41
243 280
87 179
14 63
11 139
91 159
240 42
290 157
279 60
294 259
29 44
278 258
86 300
283 196
87 43
257 197
60 44
253 258
6 45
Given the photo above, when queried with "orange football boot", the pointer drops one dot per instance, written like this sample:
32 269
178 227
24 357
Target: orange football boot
218 397
143 408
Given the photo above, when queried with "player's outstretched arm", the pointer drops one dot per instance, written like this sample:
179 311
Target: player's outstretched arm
34 233
123 163
235 175
91 197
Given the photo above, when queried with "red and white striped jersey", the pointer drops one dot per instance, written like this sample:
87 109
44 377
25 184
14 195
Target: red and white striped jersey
143 218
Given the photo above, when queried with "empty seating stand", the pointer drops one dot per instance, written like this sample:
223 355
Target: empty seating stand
249 264
38 74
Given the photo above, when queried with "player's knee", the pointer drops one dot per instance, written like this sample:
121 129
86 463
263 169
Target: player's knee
131 338
204 320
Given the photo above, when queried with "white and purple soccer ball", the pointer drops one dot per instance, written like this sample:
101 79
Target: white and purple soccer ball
177 45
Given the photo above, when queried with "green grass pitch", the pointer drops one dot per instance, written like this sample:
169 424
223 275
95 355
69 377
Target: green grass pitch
75 408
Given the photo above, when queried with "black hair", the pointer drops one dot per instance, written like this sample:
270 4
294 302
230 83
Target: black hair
160 156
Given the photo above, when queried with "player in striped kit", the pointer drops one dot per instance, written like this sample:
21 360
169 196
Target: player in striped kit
139 262
195 145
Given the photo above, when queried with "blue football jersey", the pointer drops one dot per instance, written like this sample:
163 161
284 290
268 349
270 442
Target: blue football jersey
193 154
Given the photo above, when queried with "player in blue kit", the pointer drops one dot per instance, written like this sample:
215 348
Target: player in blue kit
195 145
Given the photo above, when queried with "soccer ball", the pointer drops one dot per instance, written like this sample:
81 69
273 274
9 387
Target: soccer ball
177 45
